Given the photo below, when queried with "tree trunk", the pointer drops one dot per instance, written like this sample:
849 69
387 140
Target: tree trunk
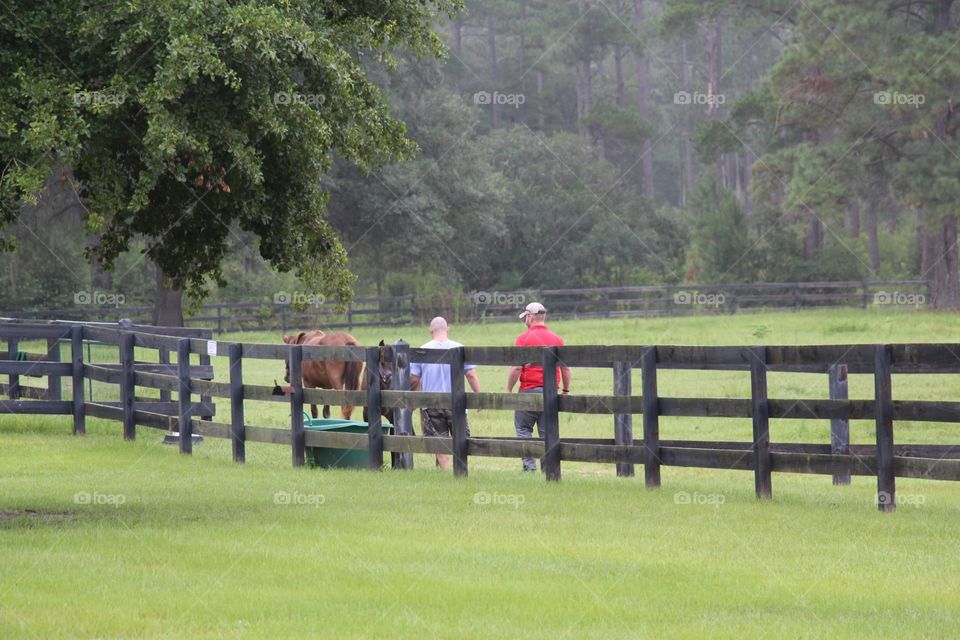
873 245
522 48
714 69
642 70
690 166
100 278
621 98
541 118
743 166
494 79
167 303
458 50
853 219
940 244
814 239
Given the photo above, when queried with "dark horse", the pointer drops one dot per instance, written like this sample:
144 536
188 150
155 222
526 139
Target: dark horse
327 374
385 374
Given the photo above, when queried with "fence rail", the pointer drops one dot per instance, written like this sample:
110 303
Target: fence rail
886 460
489 306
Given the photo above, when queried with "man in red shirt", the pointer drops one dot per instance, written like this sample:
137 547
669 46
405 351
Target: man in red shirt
530 375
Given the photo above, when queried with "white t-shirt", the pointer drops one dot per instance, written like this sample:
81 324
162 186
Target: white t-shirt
436 377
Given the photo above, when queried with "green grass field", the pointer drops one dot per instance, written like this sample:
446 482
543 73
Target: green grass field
101 538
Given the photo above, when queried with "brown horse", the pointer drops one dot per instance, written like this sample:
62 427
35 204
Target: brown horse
327 374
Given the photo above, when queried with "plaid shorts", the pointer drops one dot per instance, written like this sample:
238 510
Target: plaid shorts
438 423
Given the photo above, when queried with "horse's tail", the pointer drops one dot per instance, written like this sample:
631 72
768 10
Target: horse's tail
351 375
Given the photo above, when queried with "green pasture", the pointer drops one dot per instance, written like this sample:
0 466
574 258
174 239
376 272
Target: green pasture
101 538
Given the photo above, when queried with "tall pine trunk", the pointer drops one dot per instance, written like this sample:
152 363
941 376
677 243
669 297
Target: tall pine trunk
494 77
939 262
689 159
457 27
873 243
642 70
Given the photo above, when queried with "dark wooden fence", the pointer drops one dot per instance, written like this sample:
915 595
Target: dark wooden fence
489 306
885 460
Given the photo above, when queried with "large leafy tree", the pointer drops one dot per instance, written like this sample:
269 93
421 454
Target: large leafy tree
186 118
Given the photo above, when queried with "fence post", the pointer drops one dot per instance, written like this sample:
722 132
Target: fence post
54 385
13 347
883 395
238 432
183 396
761 422
205 400
164 358
127 386
839 427
651 418
796 297
623 422
219 319
374 425
550 418
866 294
297 436
458 407
402 416
76 354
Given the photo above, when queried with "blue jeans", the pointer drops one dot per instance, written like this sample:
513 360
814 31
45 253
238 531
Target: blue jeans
523 422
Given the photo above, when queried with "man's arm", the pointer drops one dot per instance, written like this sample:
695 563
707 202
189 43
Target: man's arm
565 376
414 382
512 378
473 380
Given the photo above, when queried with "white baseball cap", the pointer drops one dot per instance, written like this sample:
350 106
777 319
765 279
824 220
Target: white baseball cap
533 309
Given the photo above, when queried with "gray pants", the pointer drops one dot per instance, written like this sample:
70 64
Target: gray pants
523 421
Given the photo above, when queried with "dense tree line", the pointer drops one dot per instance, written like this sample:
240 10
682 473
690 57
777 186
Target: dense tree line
590 143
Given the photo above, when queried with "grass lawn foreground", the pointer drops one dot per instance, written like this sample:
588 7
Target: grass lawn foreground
101 538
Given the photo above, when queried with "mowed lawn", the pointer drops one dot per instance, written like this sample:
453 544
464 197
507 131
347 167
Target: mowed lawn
101 538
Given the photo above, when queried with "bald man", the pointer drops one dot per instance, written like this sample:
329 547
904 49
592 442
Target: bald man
438 423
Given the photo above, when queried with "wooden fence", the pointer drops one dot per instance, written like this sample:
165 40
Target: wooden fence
885 460
490 306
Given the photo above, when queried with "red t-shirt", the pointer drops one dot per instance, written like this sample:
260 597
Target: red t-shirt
538 335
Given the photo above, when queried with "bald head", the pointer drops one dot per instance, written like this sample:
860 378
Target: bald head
438 328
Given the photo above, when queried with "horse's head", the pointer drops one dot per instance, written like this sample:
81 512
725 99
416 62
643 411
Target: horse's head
294 339
386 366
